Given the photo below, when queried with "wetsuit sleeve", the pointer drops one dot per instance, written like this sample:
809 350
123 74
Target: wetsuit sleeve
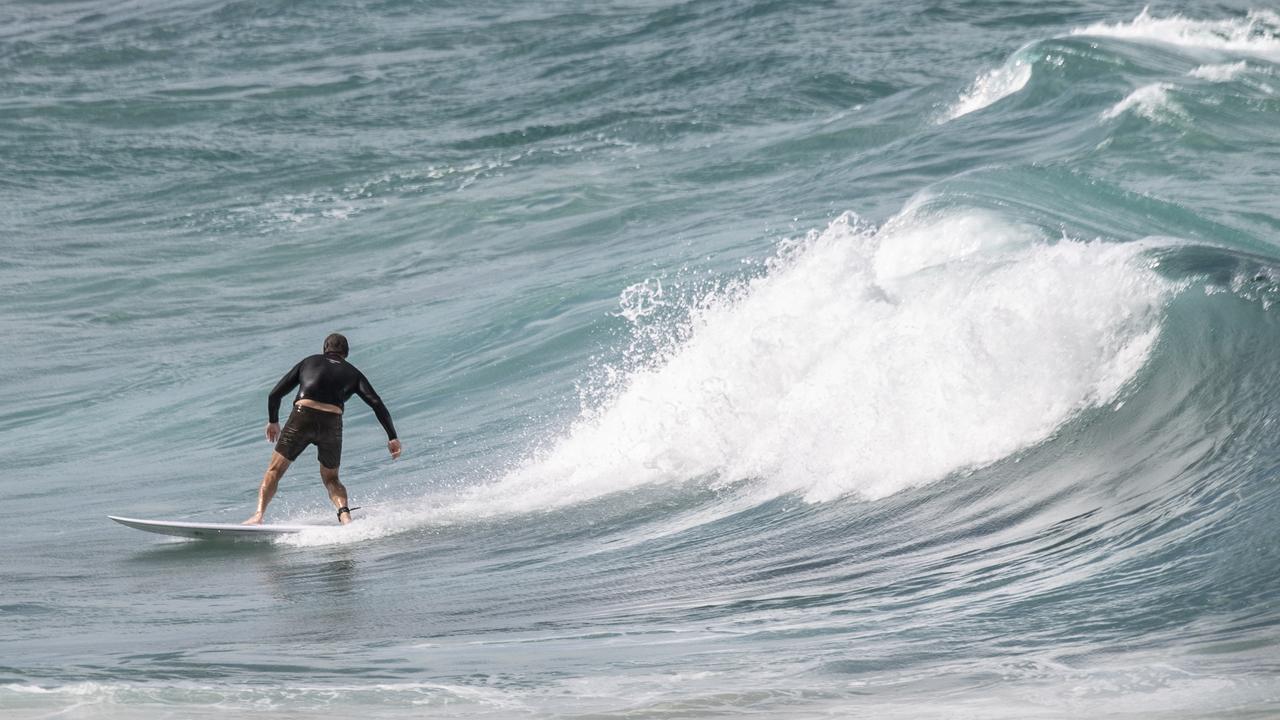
366 393
282 388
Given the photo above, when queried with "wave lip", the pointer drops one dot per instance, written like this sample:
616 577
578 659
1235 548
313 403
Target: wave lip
1149 101
993 86
1258 33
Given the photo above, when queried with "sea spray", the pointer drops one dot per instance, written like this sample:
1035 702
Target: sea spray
866 361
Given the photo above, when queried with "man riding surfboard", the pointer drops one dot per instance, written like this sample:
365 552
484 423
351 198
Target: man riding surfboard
325 382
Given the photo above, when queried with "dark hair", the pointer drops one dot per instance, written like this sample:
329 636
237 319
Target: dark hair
336 343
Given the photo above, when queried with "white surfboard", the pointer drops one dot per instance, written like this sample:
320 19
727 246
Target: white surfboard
212 531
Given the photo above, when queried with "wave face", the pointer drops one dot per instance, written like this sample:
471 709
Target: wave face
751 358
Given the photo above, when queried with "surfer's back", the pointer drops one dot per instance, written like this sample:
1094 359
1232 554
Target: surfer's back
327 379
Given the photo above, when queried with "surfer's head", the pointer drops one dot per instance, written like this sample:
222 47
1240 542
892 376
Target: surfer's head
336 344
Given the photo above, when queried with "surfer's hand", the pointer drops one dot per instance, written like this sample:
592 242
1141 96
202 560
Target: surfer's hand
273 432
393 446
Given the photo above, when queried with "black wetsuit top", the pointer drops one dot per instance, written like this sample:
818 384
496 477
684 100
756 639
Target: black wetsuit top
328 379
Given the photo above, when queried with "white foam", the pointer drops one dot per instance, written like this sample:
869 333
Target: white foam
992 86
1223 72
1254 34
866 362
1149 101
195 699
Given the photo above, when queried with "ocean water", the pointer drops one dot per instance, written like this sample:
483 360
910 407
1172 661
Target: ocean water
752 359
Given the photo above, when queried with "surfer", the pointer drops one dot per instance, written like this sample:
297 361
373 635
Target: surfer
326 382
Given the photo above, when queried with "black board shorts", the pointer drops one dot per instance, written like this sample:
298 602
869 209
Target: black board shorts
308 426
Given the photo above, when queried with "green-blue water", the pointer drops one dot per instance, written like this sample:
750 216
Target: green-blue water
776 359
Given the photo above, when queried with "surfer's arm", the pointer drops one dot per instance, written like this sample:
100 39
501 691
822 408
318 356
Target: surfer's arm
282 388
366 393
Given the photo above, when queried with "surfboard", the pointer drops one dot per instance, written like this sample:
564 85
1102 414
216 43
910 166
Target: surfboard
211 531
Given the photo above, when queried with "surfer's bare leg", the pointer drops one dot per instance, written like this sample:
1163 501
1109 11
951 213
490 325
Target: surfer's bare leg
337 491
275 470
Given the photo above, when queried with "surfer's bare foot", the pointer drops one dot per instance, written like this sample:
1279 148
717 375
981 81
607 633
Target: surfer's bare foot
255 520
345 517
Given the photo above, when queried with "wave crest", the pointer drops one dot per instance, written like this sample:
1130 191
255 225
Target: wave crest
866 362
1257 33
